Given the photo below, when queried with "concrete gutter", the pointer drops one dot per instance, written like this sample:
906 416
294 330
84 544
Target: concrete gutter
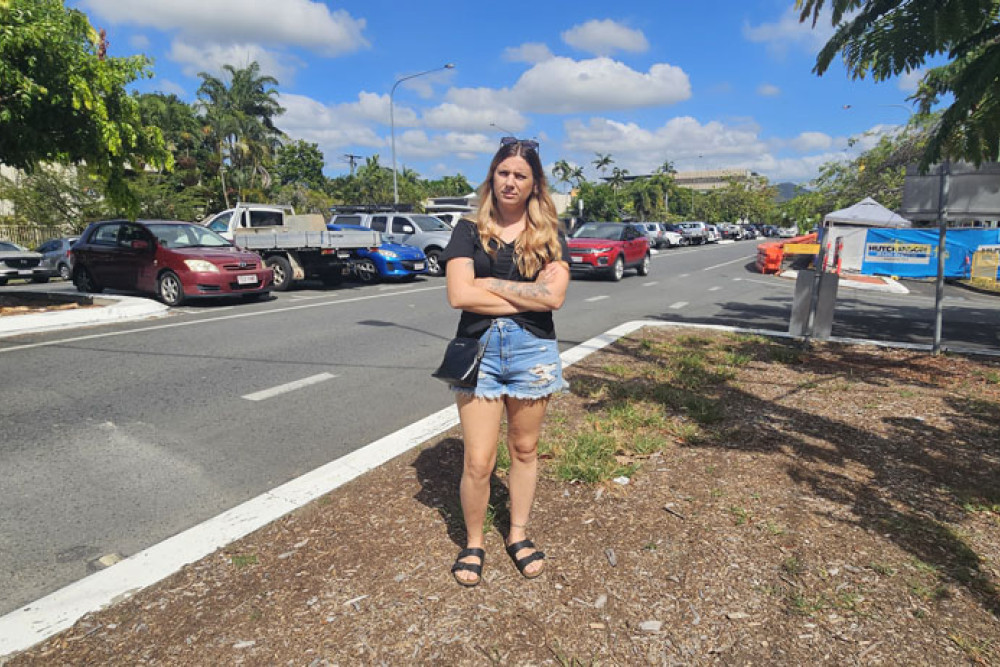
108 309
856 281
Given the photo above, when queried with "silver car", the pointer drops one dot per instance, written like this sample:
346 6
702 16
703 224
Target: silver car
57 257
18 262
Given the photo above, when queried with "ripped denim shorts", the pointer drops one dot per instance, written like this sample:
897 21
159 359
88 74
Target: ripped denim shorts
517 364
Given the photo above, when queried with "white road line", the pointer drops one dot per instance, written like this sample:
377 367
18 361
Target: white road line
678 305
597 298
651 283
290 386
714 289
684 275
210 320
741 259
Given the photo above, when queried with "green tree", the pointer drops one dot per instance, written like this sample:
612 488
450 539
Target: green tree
63 100
54 195
598 202
300 162
562 172
884 38
240 116
602 162
448 186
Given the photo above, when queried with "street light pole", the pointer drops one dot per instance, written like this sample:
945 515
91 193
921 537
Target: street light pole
392 123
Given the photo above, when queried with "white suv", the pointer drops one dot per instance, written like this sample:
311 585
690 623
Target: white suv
695 232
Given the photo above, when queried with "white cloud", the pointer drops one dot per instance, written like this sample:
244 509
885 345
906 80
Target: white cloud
169 87
602 38
562 85
416 144
210 57
476 110
768 90
531 52
788 32
811 141
303 23
909 81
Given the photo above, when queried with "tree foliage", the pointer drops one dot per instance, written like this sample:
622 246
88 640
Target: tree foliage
63 100
885 38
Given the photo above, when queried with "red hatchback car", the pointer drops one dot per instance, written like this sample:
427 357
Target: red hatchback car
608 248
174 260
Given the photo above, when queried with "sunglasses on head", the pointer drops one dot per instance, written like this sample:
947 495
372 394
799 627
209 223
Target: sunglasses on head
530 144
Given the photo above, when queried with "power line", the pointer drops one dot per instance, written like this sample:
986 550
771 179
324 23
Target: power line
352 159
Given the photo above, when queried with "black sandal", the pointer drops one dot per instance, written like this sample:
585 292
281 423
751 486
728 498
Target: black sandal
475 568
522 563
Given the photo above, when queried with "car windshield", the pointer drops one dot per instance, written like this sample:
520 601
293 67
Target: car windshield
609 231
428 223
187 236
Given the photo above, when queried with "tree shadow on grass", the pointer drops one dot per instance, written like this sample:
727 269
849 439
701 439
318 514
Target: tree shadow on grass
917 477
439 471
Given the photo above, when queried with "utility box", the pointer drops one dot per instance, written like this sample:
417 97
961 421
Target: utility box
826 301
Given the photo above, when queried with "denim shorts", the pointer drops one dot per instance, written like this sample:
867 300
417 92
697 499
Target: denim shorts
517 363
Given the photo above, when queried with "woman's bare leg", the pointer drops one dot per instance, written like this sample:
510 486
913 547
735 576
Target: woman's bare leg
524 424
480 432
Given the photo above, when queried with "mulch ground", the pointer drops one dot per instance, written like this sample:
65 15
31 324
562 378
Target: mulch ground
843 509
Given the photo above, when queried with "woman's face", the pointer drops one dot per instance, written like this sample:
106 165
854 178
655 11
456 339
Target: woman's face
513 181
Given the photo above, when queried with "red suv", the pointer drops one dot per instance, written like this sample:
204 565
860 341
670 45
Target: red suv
609 248
174 260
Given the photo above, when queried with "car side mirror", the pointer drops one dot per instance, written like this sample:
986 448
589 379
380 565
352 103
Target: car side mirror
140 244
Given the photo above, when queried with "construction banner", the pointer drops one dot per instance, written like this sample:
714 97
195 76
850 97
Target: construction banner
912 253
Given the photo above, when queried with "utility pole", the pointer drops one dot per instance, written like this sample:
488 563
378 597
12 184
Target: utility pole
351 159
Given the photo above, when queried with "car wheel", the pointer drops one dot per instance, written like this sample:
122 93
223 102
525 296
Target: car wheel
366 271
434 267
617 269
85 282
643 268
169 289
282 269
40 279
64 272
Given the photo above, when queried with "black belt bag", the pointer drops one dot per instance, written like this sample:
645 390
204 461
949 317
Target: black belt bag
460 366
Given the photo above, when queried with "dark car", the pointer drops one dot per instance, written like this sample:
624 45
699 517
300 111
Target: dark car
57 257
174 260
18 262
608 248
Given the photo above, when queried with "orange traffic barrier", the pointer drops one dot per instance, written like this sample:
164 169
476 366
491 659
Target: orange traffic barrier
769 257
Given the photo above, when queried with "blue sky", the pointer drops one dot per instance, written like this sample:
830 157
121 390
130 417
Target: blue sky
707 84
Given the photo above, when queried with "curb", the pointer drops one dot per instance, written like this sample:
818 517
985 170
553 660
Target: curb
114 309
884 285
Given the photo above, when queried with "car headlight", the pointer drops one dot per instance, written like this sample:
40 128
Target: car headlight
388 254
598 251
201 266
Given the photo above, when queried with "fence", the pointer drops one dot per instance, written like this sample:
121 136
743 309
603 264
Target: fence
30 236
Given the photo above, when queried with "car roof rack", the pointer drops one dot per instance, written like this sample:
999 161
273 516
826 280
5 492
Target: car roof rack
372 208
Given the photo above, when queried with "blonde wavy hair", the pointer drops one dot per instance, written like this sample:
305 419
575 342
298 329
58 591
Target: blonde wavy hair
538 244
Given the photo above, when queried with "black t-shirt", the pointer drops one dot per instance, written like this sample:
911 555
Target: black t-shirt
465 243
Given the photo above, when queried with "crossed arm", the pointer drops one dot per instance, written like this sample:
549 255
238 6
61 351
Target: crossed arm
492 296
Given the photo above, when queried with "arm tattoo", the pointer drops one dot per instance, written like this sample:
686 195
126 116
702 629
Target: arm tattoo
527 290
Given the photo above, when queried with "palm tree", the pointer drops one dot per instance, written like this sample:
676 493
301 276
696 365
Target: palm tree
602 162
240 117
577 176
561 171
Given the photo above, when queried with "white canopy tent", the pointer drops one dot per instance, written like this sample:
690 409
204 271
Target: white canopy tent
850 226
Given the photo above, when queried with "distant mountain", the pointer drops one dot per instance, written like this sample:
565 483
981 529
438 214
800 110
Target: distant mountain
788 191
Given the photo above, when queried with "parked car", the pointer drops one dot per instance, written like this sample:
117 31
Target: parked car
57 257
429 234
653 232
451 218
712 234
671 238
389 261
788 232
695 232
18 262
176 261
608 248
676 229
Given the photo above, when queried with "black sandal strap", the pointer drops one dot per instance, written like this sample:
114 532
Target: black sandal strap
473 551
521 563
475 568
512 549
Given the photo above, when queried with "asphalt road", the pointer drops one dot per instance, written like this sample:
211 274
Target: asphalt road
116 437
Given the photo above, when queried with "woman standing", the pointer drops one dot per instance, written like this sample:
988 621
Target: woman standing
507 271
